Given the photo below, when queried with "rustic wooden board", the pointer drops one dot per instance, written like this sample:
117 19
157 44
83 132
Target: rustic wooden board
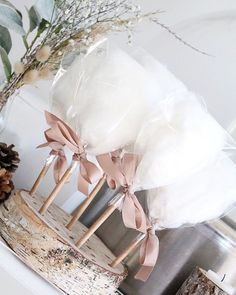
198 284
47 246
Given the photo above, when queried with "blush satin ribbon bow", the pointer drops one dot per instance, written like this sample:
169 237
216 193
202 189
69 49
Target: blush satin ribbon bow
116 159
60 134
132 212
57 147
149 252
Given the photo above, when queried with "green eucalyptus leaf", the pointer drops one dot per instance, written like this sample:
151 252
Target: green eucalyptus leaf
5 2
5 39
6 63
46 9
10 18
20 14
34 18
42 27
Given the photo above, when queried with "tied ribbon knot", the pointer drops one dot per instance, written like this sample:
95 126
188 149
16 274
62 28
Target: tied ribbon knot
61 135
149 252
123 173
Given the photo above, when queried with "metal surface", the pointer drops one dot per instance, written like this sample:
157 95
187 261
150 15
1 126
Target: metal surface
210 246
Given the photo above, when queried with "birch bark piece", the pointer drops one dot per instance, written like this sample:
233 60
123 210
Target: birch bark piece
198 284
48 247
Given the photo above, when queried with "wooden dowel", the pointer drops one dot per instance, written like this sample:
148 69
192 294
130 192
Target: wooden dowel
128 250
112 207
58 187
42 174
86 203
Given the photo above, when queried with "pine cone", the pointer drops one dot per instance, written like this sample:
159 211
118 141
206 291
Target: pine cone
9 159
6 184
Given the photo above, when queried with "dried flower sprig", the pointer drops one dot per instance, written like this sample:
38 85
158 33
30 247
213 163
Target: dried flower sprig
55 23
60 26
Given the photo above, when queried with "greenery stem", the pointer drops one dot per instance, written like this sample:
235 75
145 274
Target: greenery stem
24 38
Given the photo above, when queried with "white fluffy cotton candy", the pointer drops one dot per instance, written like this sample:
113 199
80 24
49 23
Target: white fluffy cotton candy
106 97
180 139
204 196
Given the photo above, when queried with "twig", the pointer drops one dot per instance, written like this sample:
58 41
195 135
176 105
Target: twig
179 38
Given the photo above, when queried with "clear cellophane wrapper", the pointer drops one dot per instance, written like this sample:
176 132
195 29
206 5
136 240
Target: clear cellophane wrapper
179 136
179 139
184 157
206 195
116 100
105 95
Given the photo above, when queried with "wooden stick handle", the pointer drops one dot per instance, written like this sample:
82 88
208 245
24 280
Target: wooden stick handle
86 203
128 250
42 174
111 208
58 187
95 226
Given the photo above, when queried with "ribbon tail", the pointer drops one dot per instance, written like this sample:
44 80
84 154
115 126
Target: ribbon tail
83 185
89 171
129 212
144 273
140 217
133 214
60 167
148 256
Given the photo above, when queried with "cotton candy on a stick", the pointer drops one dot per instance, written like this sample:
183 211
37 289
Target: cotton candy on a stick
104 96
203 196
180 139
